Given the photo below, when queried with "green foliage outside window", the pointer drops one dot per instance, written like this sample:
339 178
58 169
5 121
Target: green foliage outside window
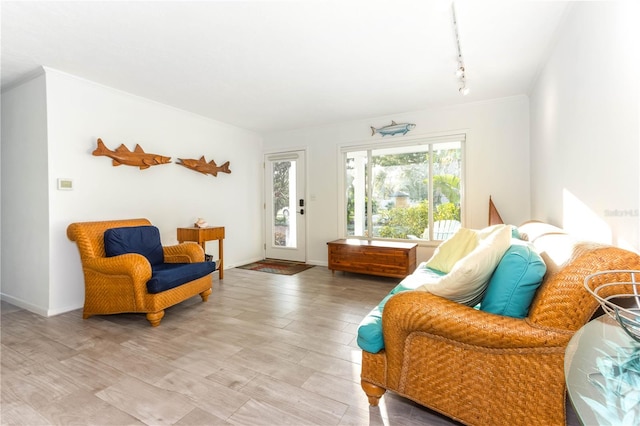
449 186
447 211
404 221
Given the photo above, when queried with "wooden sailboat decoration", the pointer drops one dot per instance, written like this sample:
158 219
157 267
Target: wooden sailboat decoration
494 216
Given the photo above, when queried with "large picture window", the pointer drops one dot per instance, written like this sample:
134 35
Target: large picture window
406 190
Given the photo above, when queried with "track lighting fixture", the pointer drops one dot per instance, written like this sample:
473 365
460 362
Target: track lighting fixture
460 72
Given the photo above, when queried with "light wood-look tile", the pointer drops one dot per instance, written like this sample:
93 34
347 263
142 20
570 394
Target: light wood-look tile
201 417
261 413
232 376
264 350
205 394
74 409
16 413
150 404
309 406
338 388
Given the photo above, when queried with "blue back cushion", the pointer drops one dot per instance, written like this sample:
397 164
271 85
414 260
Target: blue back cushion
144 240
514 282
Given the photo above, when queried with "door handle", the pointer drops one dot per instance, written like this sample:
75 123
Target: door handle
301 211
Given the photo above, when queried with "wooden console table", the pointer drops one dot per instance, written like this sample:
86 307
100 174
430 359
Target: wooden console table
384 258
201 236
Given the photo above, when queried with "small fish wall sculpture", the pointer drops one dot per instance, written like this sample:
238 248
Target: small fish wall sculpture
137 158
393 129
201 166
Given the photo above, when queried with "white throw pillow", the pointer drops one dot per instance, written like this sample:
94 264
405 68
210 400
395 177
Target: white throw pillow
455 248
467 280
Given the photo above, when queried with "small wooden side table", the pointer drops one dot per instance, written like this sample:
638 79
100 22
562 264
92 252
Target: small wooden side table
201 236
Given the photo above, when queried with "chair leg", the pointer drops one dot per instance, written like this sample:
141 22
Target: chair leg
373 392
155 317
205 294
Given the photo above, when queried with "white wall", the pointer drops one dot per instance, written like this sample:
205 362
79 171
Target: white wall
25 198
497 164
171 196
585 138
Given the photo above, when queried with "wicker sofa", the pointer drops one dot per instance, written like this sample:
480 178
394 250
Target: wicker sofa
485 369
119 284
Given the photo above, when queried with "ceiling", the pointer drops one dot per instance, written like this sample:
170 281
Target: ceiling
278 65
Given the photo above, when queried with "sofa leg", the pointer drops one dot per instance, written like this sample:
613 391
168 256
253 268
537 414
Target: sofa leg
155 317
373 392
205 294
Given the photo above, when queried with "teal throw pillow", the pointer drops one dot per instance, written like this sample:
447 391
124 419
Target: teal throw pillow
514 282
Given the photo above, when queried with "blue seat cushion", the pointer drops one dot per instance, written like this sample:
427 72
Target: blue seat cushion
170 275
515 281
370 336
144 240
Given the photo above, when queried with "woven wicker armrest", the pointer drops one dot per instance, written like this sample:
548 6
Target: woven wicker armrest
130 264
188 252
109 279
418 311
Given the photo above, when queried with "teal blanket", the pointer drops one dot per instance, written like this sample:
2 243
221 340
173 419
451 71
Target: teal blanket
370 336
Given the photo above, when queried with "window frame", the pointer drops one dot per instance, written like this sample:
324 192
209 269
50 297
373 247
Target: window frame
405 141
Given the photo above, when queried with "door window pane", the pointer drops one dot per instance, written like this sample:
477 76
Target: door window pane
284 210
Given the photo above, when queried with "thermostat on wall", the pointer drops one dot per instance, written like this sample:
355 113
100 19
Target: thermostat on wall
65 184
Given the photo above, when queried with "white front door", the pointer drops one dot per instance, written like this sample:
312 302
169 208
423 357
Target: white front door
285 206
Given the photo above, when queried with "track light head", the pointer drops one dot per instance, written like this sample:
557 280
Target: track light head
460 72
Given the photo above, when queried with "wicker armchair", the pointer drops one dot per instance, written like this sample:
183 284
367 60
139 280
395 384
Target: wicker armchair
485 369
118 284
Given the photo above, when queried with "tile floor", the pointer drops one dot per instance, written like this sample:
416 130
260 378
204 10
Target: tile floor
264 350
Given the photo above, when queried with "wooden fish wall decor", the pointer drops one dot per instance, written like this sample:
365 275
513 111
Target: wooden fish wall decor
201 166
137 158
393 128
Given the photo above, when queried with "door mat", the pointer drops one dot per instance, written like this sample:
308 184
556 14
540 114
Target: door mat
282 267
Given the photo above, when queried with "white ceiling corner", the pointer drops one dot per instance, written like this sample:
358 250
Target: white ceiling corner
278 65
